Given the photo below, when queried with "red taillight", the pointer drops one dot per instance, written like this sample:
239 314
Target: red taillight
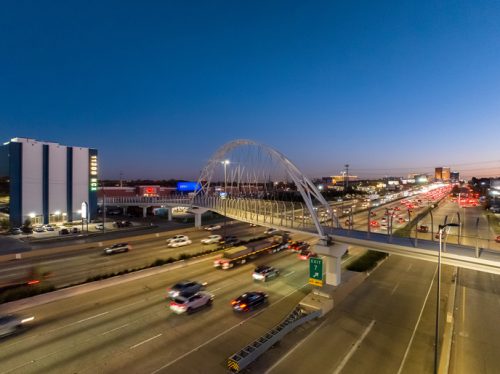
234 302
34 281
172 303
243 306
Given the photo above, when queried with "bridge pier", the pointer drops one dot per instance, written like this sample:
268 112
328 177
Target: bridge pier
197 219
125 210
169 214
144 211
333 255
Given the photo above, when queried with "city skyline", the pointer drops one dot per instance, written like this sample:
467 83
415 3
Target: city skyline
390 88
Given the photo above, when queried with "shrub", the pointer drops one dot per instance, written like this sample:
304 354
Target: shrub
366 262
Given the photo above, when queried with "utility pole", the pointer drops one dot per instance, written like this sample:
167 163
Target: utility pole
346 177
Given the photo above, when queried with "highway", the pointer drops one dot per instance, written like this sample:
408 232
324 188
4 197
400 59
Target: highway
129 328
76 266
386 326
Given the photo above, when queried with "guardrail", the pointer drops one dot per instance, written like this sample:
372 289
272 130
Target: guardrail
251 352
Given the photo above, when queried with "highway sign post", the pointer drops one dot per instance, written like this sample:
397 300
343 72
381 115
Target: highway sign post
316 271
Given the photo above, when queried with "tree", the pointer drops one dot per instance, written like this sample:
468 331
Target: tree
4 224
27 223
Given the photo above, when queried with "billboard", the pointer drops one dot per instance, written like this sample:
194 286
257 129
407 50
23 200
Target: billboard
187 186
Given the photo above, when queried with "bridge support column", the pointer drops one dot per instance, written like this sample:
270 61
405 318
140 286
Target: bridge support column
169 214
144 211
333 254
125 210
197 219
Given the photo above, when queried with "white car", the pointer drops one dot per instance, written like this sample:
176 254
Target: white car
10 324
48 227
185 237
213 227
99 226
189 303
179 243
211 239
271 231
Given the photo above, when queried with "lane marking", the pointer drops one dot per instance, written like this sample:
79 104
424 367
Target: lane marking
294 348
77 322
224 332
145 341
394 289
416 325
409 267
116 328
290 273
354 348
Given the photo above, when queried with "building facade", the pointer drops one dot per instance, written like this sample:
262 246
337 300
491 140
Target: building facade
442 174
49 182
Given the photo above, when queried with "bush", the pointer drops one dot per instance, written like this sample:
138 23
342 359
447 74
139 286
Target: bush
25 291
366 262
185 256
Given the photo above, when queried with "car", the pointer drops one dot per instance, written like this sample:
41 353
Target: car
211 239
348 222
374 224
185 237
185 287
75 230
264 273
397 208
306 254
497 239
38 229
179 243
63 231
184 303
443 236
271 231
423 228
249 301
15 231
373 214
229 240
213 227
297 246
27 229
49 228
99 226
117 248
253 225
120 224
10 324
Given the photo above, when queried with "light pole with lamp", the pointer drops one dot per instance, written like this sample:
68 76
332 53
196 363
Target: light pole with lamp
438 297
225 163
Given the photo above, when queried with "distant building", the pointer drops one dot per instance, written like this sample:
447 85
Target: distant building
48 182
442 174
454 176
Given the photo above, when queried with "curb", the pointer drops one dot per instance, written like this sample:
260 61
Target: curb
444 356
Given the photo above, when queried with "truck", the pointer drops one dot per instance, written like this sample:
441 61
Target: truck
243 253
32 277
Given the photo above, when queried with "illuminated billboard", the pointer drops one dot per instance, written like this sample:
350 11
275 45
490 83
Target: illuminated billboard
187 186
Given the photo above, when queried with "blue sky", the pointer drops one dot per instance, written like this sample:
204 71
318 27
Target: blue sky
388 86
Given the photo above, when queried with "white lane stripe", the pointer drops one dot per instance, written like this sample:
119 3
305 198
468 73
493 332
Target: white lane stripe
353 349
294 348
409 267
116 328
290 273
145 341
416 325
77 322
223 333
394 289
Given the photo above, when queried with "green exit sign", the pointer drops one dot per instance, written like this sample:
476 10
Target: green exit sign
316 271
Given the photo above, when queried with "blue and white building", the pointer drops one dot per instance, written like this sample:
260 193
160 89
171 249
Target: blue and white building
49 182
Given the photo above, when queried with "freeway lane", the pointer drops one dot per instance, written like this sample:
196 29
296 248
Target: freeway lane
386 326
128 328
68 268
476 340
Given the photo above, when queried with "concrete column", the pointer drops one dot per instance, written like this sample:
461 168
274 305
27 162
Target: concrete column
197 219
144 211
169 214
333 260
125 210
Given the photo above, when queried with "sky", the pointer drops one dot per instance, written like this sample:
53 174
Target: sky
388 87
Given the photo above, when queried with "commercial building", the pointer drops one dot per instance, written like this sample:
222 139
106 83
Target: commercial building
455 176
49 182
442 174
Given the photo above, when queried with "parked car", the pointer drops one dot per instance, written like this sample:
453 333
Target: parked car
213 227
179 243
185 237
186 288
249 301
38 229
63 231
120 224
117 248
189 303
211 239
264 273
27 229
497 239
75 230
99 226
15 231
423 228
49 227
10 324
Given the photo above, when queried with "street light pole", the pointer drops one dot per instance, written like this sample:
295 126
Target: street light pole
225 163
438 297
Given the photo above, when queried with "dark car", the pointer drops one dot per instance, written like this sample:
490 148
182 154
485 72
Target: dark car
229 240
423 228
306 254
249 301
27 230
497 239
63 232
185 288
264 273
297 246
10 324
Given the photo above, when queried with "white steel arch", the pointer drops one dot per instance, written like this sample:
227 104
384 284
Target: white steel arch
306 188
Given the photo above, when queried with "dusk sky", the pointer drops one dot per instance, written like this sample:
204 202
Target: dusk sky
388 87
